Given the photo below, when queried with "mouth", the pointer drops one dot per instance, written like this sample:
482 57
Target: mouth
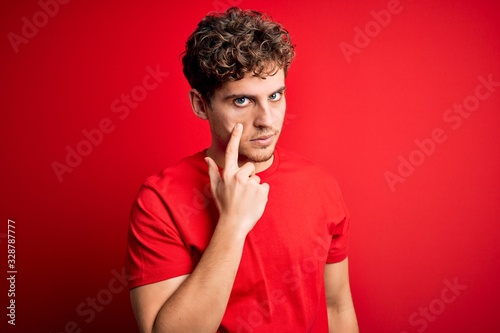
263 140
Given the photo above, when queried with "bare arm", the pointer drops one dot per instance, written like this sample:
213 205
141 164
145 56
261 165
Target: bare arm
341 314
197 302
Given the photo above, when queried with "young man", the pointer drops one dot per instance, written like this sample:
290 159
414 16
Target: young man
244 236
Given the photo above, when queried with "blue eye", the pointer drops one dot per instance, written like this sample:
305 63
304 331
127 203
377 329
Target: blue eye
275 97
241 101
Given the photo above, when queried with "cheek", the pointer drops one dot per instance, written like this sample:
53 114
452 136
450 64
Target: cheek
227 122
226 127
244 118
280 113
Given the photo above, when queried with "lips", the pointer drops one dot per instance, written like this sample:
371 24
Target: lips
263 140
264 137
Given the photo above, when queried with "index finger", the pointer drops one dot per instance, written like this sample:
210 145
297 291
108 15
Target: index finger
231 158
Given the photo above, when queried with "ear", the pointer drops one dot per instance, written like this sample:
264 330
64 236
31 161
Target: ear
200 107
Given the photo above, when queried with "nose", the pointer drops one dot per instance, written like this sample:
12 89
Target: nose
263 117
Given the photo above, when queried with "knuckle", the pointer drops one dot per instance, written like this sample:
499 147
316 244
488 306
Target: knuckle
226 177
241 177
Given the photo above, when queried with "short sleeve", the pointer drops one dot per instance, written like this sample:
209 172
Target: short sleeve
339 245
155 250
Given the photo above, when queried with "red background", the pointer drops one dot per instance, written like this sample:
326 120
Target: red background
356 118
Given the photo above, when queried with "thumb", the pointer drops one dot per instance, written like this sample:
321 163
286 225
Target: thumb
213 174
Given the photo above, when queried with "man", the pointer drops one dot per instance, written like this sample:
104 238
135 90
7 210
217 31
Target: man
244 236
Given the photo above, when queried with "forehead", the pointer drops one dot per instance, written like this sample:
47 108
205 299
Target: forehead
253 85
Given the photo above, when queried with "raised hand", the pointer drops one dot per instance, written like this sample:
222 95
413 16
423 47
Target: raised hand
239 195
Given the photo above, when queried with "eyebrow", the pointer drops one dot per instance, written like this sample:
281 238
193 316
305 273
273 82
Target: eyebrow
234 96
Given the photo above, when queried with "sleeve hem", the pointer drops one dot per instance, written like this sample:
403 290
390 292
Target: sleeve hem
159 277
335 259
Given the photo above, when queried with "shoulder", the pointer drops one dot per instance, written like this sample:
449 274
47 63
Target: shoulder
176 179
308 176
314 184
301 166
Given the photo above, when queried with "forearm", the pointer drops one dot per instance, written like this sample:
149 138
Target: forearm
199 304
342 320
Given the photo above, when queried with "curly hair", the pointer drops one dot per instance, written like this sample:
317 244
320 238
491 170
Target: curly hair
226 46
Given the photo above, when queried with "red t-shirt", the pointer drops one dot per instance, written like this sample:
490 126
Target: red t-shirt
279 286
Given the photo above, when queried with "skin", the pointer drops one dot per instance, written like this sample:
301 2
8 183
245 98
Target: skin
245 118
341 314
258 104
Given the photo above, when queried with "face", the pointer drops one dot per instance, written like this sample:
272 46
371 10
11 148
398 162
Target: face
259 105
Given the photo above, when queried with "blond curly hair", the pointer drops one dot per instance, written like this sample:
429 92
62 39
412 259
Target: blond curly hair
226 46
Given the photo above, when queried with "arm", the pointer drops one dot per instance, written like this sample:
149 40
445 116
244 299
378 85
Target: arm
341 314
197 302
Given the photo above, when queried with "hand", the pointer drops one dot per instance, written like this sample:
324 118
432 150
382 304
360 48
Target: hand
240 197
